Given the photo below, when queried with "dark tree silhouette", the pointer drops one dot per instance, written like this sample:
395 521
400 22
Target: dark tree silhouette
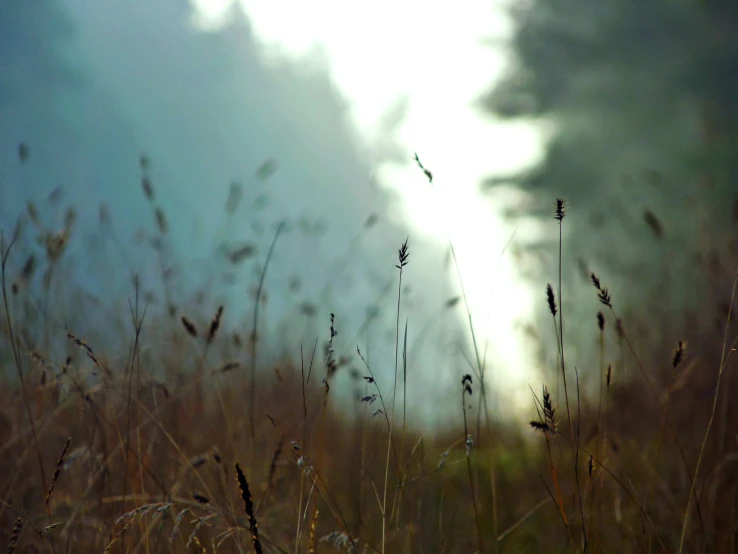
641 101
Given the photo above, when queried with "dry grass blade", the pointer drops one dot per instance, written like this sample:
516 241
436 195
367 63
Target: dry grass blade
523 519
272 471
253 338
313 532
16 354
117 537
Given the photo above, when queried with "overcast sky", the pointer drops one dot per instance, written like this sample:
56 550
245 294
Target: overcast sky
339 96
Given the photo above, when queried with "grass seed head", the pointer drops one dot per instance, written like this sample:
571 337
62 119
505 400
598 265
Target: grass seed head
189 326
602 293
560 209
15 535
215 324
249 507
403 254
601 321
551 299
57 471
679 354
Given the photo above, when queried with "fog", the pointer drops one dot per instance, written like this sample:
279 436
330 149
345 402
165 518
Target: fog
90 87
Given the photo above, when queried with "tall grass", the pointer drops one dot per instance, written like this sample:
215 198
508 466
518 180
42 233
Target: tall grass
174 436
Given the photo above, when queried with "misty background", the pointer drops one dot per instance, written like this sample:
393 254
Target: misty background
638 104
247 119
90 88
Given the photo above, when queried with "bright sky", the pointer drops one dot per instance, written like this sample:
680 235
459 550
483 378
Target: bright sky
432 53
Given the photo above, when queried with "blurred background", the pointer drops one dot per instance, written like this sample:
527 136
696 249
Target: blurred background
179 142
277 234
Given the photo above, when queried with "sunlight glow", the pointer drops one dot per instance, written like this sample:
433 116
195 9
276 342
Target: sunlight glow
379 52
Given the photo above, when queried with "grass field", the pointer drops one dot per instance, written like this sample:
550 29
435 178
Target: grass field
167 437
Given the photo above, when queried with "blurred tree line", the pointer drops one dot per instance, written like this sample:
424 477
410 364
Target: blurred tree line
638 101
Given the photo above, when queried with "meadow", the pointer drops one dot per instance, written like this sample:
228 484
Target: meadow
170 436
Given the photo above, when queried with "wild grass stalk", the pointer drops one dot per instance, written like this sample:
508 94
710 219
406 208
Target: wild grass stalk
603 453
5 253
466 389
723 355
605 299
254 339
402 464
371 398
676 361
601 370
547 424
559 215
402 259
